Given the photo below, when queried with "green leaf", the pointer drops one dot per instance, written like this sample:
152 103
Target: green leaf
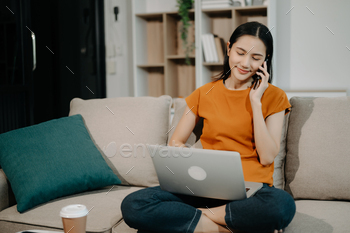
184 7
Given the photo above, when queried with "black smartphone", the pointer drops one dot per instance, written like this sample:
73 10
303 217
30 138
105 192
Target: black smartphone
257 78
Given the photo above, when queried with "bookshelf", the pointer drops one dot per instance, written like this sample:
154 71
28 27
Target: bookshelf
158 59
221 22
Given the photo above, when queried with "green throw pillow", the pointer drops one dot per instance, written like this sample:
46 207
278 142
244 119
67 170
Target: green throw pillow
52 159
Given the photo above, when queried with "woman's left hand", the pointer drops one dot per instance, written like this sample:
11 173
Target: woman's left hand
260 87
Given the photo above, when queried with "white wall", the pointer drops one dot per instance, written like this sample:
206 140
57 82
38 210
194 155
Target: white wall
118 38
309 56
118 49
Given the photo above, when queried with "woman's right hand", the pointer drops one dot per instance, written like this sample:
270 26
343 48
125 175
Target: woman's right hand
258 88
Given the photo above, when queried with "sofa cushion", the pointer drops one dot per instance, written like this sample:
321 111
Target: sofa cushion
104 205
278 176
279 162
320 217
7 198
4 193
318 138
52 159
11 227
122 127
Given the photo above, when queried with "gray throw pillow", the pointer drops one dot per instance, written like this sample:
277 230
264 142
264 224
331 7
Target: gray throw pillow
318 158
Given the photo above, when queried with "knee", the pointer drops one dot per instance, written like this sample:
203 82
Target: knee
136 204
127 203
128 208
284 211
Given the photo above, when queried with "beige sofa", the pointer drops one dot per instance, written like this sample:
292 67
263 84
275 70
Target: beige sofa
313 164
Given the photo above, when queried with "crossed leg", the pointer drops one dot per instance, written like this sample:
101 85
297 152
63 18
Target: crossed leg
217 215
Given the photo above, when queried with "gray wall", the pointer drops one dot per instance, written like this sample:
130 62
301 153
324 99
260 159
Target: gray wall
311 56
119 43
118 49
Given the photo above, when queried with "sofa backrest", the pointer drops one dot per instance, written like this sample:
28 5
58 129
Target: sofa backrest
7 197
122 128
318 152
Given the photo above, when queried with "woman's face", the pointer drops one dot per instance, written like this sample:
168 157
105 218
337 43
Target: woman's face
245 56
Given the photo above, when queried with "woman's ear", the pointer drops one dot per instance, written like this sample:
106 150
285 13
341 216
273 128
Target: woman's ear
228 48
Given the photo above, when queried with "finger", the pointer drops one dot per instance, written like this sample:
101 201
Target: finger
261 76
256 84
265 76
263 67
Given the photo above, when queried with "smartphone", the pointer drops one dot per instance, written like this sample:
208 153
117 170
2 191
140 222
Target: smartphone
257 78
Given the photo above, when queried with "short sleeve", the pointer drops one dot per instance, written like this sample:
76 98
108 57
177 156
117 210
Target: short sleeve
276 101
193 101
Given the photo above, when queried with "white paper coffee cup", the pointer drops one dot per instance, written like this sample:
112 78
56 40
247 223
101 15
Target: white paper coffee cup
74 218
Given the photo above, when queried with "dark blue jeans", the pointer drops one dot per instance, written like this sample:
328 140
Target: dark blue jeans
154 210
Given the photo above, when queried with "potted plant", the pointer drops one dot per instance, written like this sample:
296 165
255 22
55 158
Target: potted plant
184 7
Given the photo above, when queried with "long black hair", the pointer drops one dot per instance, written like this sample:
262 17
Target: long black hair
253 29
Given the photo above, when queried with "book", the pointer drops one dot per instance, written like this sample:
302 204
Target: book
213 48
216 1
219 49
207 4
210 52
205 46
223 46
221 5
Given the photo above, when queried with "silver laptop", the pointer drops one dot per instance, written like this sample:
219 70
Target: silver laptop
207 173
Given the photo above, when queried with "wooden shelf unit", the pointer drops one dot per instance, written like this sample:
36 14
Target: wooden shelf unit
168 66
221 22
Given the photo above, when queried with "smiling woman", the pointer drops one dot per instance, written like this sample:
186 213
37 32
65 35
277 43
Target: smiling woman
249 45
237 116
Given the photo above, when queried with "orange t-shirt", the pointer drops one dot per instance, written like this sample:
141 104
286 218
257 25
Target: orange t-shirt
228 123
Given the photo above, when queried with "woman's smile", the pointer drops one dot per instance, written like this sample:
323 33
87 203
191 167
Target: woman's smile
242 71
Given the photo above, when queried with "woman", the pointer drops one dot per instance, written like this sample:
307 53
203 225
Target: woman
242 112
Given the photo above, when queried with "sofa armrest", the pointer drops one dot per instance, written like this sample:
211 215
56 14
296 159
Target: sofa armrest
7 197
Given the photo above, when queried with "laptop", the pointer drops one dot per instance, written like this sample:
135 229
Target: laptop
206 173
